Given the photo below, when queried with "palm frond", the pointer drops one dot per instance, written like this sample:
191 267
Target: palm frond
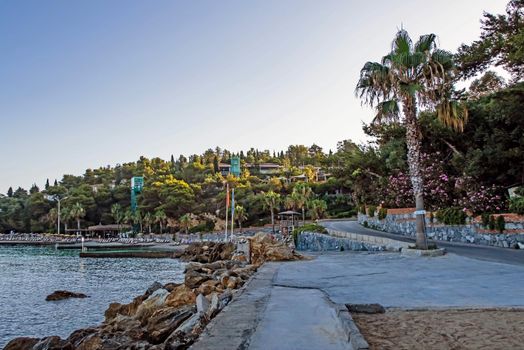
425 43
402 43
387 111
453 114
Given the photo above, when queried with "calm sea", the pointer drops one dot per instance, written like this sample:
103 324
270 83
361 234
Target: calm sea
29 274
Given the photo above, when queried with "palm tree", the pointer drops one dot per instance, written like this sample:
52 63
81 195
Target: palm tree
318 208
77 212
301 195
118 214
65 215
241 215
148 220
160 217
133 218
410 77
185 221
52 217
271 201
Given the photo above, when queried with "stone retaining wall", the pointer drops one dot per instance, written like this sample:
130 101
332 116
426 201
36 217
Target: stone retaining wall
403 222
338 241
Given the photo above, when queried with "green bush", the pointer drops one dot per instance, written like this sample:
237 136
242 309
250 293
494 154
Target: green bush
451 216
485 217
345 214
207 226
365 224
516 205
382 213
500 224
520 191
491 222
371 211
307 228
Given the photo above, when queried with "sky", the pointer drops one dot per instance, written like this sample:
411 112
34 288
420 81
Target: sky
91 83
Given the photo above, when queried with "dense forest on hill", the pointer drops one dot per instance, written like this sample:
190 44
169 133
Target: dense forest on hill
470 170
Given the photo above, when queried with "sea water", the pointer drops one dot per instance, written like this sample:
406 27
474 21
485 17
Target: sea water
29 274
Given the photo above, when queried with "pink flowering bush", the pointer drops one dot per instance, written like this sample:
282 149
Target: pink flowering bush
481 199
442 190
438 186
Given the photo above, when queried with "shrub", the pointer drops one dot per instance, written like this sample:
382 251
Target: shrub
516 205
451 216
362 209
365 224
520 191
207 226
307 228
382 213
371 211
491 222
500 224
485 217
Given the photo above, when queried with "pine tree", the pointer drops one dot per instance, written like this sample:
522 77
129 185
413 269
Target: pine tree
172 161
47 184
215 164
34 189
55 183
10 192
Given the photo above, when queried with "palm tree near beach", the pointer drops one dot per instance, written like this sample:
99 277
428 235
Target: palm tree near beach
52 217
148 220
240 215
185 222
271 201
410 77
65 216
318 208
118 214
77 212
160 218
300 196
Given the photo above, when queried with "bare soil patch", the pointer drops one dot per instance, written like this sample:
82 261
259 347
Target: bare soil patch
444 329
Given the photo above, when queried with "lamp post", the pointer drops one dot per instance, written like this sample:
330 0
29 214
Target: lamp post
57 199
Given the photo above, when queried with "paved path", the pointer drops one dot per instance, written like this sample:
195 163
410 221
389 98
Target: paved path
266 317
503 255
292 305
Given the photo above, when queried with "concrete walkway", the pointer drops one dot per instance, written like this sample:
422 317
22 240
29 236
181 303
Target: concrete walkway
293 305
299 319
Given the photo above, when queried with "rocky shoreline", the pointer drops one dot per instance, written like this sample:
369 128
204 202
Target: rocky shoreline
172 316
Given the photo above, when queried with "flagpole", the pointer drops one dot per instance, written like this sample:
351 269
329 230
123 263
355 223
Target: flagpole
227 208
232 212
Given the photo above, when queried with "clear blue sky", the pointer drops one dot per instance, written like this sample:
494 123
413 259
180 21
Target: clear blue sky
89 83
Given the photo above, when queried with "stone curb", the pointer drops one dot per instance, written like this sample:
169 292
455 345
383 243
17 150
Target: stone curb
355 338
423 253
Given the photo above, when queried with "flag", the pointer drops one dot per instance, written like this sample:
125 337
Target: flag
227 196
233 204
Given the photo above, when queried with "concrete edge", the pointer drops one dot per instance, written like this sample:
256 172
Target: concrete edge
355 338
423 253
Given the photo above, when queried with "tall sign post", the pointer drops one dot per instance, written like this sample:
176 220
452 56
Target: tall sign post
235 171
137 184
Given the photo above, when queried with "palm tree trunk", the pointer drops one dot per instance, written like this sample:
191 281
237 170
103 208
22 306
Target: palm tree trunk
414 144
161 231
303 216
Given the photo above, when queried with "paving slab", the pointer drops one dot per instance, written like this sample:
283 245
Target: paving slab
299 319
408 282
